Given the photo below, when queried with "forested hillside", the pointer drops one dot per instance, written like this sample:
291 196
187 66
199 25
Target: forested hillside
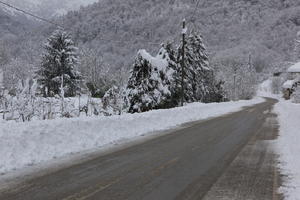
229 27
111 33
20 36
14 23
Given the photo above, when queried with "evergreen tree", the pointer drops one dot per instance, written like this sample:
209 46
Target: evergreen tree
155 82
58 64
199 81
149 84
168 77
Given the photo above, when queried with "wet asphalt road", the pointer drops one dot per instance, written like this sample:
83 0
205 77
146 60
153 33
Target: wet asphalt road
182 165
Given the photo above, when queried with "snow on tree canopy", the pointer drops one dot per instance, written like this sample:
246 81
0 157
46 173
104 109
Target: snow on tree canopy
158 62
199 83
59 60
156 82
149 84
288 84
295 68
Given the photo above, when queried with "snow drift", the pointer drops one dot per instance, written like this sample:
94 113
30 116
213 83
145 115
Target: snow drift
288 147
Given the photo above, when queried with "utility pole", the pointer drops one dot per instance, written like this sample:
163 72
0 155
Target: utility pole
184 30
62 95
234 86
234 83
79 95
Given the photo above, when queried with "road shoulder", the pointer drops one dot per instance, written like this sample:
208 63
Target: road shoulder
254 173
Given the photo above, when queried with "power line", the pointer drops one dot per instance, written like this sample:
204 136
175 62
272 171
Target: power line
126 42
53 23
194 13
30 14
60 26
195 10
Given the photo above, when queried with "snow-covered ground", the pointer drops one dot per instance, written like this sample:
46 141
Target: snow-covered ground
23 145
288 147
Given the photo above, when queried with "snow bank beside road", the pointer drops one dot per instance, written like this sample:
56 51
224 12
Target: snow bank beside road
27 144
288 146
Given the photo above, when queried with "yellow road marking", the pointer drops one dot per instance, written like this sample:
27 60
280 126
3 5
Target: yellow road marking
18 188
91 191
165 165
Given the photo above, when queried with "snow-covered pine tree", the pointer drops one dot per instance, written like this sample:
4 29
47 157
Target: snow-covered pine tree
187 77
199 80
59 60
168 76
149 84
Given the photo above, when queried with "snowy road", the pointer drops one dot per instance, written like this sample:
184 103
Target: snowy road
190 163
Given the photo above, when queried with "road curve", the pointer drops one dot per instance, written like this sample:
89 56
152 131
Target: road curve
181 165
